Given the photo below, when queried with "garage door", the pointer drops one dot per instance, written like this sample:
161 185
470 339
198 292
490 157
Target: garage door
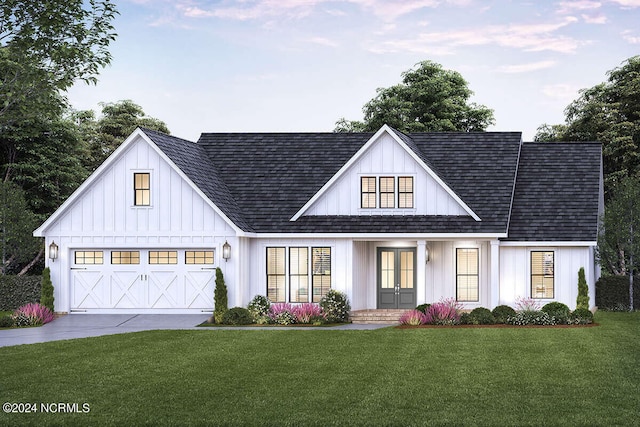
142 279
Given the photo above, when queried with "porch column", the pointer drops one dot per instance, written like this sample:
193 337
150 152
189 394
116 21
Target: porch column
421 272
494 274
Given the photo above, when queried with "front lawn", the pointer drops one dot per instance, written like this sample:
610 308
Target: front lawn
488 376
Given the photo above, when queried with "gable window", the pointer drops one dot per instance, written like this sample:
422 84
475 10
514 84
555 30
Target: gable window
387 192
299 274
405 192
125 257
369 193
542 268
198 257
163 257
276 275
142 189
88 257
467 275
321 258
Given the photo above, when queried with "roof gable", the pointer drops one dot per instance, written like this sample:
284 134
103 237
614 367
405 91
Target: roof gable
386 153
139 135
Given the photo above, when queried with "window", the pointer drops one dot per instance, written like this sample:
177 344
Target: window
405 192
142 189
299 274
467 274
387 192
125 257
276 276
368 190
163 257
88 257
198 257
321 258
542 266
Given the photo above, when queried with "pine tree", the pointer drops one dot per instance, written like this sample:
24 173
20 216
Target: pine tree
220 297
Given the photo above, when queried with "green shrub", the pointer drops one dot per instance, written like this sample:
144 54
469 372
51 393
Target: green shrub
524 318
465 319
16 291
502 312
481 316
582 301
557 310
6 321
612 293
237 316
46 295
335 306
423 307
220 302
581 316
259 306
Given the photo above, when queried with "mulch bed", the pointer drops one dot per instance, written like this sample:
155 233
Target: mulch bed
493 326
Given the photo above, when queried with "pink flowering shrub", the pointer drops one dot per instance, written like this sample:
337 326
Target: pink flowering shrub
524 304
444 312
32 314
308 313
282 313
413 317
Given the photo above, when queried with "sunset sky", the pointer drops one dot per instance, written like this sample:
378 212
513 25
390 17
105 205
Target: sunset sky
300 65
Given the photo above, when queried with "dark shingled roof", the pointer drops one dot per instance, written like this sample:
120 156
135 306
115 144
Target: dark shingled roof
557 192
261 180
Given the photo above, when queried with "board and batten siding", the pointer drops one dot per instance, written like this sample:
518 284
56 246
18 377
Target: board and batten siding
515 273
385 157
104 217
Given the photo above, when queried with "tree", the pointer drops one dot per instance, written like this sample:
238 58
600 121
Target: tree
618 250
17 223
582 300
220 297
117 122
429 99
610 113
46 294
45 46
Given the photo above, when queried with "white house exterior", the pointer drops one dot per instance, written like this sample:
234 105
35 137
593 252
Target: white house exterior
391 219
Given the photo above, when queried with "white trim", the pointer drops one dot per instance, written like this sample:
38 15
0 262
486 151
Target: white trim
373 236
138 133
360 153
548 244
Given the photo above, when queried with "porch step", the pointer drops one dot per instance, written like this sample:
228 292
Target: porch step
379 317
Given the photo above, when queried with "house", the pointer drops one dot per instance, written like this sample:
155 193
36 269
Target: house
391 219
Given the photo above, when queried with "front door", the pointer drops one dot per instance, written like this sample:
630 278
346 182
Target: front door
396 277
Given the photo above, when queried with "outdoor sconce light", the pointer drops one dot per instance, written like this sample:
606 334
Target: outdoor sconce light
226 251
53 251
426 254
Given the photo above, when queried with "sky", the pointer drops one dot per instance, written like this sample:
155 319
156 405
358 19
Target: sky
301 65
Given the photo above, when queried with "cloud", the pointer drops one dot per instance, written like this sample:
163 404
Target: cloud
567 7
528 37
243 10
525 68
629 37
324 41
594 19
627 3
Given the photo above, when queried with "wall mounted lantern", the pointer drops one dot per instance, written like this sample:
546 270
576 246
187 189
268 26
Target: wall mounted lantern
53 251
226 251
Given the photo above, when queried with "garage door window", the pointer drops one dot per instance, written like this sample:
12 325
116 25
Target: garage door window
125 257
198 257
163 257
88 257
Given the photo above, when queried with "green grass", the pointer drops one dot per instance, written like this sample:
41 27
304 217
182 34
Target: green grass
5 313
531 377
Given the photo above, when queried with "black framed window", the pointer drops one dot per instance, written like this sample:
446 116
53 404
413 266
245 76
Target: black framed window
542 274
387 192
368 191
467 274
88 257
321 269
142 189
405 192
299 274
125 257
276 274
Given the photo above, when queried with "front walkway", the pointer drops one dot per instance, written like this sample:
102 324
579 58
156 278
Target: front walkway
92 325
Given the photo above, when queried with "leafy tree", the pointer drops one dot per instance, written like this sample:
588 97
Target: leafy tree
429 98
618 250
17 223
610 113
117 122
45 46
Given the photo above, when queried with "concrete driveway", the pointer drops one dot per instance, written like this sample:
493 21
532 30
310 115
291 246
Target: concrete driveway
92 325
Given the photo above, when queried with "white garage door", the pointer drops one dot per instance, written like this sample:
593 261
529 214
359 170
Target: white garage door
116 279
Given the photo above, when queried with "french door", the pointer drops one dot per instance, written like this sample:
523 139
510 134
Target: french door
396 277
